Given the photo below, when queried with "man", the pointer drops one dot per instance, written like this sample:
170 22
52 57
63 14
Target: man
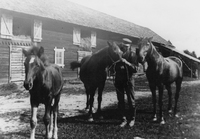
124 82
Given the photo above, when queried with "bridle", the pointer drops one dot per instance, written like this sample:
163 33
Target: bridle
149 52
113 61
114 64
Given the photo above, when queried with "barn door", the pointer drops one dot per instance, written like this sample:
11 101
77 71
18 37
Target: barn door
17 71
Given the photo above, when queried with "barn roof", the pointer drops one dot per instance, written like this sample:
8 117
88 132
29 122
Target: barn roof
172 48
70 12
66 11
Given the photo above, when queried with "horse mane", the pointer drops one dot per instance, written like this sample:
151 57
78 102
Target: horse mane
35 50
102 50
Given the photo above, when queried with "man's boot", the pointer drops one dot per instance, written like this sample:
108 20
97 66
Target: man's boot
124 122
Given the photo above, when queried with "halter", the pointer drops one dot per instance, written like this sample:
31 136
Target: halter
113 62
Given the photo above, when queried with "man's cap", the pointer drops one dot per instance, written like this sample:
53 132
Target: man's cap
126 42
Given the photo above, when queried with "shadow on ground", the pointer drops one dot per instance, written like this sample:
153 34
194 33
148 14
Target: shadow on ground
187 125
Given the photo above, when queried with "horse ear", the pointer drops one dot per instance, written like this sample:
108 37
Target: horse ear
139 40
109 44
24 52
115 44
150 39
41 51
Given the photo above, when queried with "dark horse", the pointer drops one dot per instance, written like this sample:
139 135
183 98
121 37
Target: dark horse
44 82
160 72
93 73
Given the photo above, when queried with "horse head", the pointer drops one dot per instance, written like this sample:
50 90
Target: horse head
131 56
144 48
114 52
33 65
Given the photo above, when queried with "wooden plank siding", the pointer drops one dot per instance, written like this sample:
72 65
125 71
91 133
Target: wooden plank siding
52 39
4 60
54 34
17 69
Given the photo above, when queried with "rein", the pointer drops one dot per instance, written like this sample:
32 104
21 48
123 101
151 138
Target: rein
114 64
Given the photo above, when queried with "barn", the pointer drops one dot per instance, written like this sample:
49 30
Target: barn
67 31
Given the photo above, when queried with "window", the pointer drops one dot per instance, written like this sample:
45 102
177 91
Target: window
59 56
6 30
37 31
22 27
84 38
76 36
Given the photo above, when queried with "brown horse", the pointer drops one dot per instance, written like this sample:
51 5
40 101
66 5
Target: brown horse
93 73
44 82
160 72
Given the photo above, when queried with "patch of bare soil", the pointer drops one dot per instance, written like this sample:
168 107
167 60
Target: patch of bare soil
15 113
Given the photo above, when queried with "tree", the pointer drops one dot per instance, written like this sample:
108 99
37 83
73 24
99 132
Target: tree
193 54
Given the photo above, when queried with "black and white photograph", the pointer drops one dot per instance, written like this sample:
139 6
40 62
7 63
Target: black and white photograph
99 69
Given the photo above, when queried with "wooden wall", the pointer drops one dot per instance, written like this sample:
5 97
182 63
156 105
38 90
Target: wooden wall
52 39
4 61
54 34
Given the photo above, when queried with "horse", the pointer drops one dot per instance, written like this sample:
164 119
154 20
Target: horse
93 73
161 71
44 82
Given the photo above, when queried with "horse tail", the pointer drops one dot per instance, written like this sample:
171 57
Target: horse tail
75 64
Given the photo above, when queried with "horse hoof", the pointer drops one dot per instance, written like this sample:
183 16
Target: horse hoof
154 119
176 115
123 124
90 119
162 122
86 110
132 123
170 111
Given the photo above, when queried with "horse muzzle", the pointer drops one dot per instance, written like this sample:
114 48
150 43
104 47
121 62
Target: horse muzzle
141 60
28 85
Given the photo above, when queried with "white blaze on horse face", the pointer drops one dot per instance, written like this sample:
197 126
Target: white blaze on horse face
32 60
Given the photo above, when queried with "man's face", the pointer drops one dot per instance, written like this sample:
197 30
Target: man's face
124 48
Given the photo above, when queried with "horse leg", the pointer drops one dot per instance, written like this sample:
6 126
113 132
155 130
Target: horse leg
168 87
87 98
161 103
48 119
55 115
33 120
178 89
153 91
92 93
100 91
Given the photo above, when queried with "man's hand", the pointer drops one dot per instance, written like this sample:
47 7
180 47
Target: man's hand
126 62
129 64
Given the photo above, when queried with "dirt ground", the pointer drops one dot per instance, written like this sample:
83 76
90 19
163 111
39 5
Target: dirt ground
15 108
71 104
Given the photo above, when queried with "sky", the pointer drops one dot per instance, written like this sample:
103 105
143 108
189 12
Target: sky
174 20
